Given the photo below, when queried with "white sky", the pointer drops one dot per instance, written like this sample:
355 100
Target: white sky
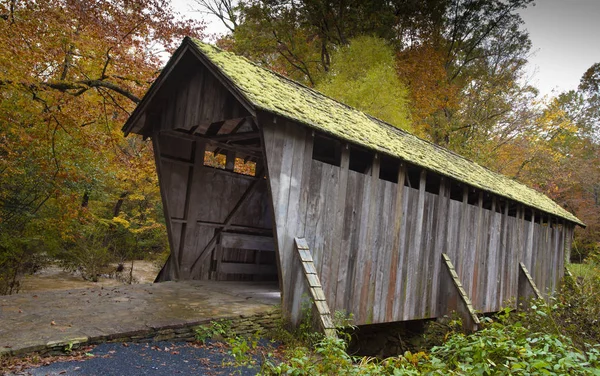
566 41
565 36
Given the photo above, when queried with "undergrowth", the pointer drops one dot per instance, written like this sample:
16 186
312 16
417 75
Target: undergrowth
557 338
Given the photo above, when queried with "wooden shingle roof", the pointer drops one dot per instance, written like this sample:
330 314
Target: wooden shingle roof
266 90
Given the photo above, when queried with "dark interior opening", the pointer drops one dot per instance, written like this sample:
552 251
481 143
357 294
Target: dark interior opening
488 199
413 176
528 214
513 209
361 160
432 184
327 150
500 205
388 169
473 197
456 191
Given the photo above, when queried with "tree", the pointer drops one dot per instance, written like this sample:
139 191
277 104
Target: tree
363 75
70 73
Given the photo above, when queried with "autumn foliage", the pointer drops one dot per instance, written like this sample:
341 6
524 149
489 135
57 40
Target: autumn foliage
71 71
450 71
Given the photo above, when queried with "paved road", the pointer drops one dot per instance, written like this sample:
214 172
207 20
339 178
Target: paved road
155 358
31 322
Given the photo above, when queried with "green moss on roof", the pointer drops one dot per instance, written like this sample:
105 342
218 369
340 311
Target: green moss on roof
272 92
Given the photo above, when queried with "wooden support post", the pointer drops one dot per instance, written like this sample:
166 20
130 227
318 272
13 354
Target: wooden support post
315 288
453 297
173 259
230 161
527 288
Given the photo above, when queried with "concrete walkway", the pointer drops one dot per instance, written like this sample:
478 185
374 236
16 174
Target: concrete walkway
46 320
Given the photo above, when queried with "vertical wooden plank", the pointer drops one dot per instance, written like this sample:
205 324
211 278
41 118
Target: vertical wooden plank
518 251
529 248
400 288
537 261
440 238
174 254
298 205
502 256
427 306
294 212
325 235
350 241
561 250
395 260
555 254
569 240
415 280
193 99
181 106
194 192
368 288
385 206
492 265
340 254
409 256
470 248
463 236
479 257
315 206
306 178
363 252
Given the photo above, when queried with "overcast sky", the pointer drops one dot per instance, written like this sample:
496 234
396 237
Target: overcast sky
565 36
566 41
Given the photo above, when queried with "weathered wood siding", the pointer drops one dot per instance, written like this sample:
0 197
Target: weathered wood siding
377 245
196 199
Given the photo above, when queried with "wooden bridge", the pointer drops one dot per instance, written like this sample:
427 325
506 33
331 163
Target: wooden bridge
398 228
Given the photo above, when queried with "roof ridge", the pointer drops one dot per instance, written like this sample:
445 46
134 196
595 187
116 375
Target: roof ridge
273 92
303 86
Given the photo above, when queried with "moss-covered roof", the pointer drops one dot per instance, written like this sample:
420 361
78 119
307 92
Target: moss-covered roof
272 92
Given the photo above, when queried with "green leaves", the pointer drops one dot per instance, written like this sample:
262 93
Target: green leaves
363 75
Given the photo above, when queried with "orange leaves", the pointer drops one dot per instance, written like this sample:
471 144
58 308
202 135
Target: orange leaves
422 68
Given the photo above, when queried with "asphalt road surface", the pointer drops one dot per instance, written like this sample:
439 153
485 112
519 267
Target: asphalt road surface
155 358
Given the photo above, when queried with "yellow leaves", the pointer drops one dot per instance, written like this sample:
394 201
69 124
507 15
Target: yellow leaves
136 196
121 221
363 76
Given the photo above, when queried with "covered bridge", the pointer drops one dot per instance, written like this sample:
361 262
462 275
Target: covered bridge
398 228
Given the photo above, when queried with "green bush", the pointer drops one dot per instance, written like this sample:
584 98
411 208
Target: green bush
512 349
574 312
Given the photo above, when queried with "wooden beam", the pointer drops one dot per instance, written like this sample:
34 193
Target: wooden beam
206 251
316 290
230 126
231 227
244 241
243 268
179 161
453 297
527 287
254 151
243 136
